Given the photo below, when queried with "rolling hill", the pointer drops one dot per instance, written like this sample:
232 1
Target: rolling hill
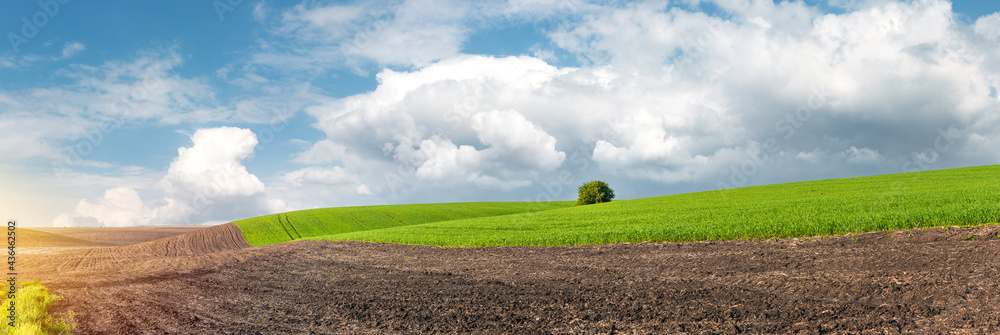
951 197
285 227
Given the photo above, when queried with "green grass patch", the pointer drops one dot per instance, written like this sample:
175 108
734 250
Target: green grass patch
285 227
32 303
941 198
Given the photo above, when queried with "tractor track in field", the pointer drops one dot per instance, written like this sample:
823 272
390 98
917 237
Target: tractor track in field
207 281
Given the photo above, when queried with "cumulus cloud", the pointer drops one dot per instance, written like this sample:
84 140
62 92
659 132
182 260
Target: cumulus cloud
399 129
120 206
515 147
212 167
988 26
884 76
335 180
516 140
771 92
663 98
207 182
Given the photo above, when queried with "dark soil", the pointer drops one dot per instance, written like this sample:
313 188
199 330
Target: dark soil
917 281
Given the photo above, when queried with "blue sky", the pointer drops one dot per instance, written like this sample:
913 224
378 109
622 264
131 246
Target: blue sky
194 112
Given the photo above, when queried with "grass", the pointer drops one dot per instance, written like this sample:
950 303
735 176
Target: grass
285 227
941 198
32 303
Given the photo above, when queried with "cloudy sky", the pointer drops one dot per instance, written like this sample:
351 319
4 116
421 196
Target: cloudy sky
192 112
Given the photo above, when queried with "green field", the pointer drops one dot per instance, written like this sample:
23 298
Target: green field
285 227
959 197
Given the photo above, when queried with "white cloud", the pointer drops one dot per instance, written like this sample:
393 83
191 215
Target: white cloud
206 182
646 137
420 32
664 99
72 49
676 96
320 186
398 125
360 35
6 61
65 123
813 157
119 207
335 179
862 156
260 12
516 140
406 33
26 135
212 166
337 18
515 146
99 100
988 26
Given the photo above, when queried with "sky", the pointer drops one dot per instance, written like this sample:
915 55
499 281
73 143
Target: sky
122 113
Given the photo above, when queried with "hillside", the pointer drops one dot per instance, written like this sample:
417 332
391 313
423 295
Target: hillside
285 227
952 197
31 238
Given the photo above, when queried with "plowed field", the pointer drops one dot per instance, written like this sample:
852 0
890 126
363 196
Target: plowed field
120 235
915 281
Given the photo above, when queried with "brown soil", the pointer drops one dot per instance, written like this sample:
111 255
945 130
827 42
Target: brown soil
163 253
199 242
33 238
917 281
119 235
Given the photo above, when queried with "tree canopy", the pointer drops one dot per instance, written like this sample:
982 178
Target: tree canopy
595 192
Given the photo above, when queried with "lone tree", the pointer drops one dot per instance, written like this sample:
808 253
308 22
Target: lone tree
595 192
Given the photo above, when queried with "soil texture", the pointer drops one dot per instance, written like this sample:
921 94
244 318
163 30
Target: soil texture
210 282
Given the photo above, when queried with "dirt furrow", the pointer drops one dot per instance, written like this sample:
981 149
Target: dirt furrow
917 281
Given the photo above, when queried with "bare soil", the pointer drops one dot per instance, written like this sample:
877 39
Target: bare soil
119 235
916 281
34 238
